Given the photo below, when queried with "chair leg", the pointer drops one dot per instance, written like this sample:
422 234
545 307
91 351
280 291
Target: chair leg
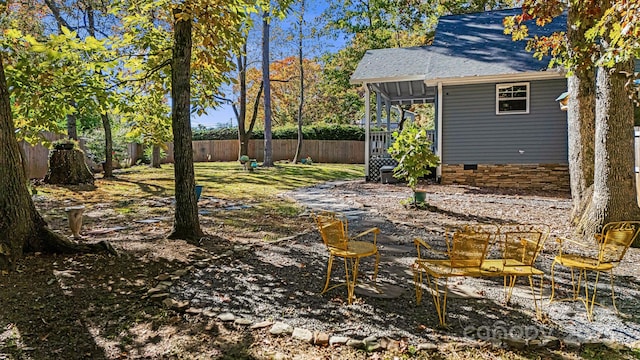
613 296
417 282
326 284
351 283
553 282
375 267
440 304
509 283
348 278
590 302
533 293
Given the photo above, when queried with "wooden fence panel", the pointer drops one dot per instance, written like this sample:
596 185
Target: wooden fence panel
327 151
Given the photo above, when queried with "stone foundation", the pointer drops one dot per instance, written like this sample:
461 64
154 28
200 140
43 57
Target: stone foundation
549 177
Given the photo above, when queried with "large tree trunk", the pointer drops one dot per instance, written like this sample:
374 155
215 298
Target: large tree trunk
186 225
614 192
107 167
581 112
268 150
581 137
22 229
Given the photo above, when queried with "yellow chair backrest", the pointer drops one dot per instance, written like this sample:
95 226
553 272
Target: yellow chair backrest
468 247
523 243
333 230
617 237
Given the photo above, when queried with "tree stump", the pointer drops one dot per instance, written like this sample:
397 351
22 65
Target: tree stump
68 167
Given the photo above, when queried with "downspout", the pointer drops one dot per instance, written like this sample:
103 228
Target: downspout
439 130
367 130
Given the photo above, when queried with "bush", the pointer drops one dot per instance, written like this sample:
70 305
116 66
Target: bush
310 132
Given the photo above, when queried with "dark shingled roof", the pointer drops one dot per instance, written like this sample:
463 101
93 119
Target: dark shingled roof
469 45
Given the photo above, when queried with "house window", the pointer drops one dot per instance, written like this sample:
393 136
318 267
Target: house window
512 98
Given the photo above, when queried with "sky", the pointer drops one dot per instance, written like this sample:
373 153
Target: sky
223 115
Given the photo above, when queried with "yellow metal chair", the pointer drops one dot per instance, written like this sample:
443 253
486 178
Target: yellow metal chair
334 231
466 250
611 245
521 244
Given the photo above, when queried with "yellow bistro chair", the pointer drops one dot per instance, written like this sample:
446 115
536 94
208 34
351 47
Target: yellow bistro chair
334 232
521 244
611 244
466 250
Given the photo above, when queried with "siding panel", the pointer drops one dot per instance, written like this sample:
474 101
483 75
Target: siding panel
473 133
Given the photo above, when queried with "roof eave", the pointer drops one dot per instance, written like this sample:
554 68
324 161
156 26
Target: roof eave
464 80
354 81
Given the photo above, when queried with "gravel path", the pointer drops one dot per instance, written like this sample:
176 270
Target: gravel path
280 281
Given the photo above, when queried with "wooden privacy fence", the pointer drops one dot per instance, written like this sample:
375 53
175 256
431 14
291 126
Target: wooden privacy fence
324 151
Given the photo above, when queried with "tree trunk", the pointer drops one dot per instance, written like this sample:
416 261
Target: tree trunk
296 157
580 112
614 192
67 167
243 137
72 128
108 147
268 150
581 137
155 157
22 229
186 225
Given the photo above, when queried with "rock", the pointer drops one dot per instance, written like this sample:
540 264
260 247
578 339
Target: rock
515 343
158 296
209 313
635 345
174 304
371 343
549 342
260 325
571 343
243 321
356 344
427 347
614 345
338 340
157 289
321 339
226 317
163 277
389 344
281 328
202 265
302 335
194 311
181 272
165 283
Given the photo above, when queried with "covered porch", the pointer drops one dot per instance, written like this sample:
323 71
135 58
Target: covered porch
394 80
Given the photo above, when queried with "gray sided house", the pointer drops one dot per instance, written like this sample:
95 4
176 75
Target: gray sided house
496 119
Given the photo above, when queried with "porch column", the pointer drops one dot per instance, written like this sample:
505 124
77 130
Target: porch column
378 109
367 130
439 129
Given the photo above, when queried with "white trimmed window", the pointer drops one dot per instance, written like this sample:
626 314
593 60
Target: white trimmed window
512 98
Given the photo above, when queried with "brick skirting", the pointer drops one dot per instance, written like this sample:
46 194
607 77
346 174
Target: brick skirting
551 177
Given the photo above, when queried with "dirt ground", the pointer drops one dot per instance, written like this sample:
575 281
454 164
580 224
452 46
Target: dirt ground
99 306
